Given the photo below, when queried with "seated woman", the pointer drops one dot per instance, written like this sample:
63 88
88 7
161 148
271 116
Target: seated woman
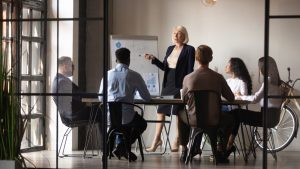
240 84
240 81
254 118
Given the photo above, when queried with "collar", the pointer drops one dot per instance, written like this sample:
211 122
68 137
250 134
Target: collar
61 75
120 66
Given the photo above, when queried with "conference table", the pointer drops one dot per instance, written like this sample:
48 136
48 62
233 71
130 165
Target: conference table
176 101
153 101
158 100
167 100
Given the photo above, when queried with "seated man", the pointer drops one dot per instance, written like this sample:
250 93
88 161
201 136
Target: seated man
70 107
206 79
122 85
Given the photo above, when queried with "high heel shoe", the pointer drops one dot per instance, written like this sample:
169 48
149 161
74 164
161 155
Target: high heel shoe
196 152
154 146
228 152
183 155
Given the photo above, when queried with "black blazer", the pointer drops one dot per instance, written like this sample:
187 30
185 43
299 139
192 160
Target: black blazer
184 66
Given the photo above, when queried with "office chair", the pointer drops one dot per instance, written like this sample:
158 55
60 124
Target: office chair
256 138
207 107
117 128
77 123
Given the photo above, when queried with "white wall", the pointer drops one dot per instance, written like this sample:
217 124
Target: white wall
233 28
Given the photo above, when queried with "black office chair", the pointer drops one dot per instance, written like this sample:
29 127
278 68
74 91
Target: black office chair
207 105
117 128
77 123
273 118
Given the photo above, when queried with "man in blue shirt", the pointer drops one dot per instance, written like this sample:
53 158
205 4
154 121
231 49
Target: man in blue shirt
122 85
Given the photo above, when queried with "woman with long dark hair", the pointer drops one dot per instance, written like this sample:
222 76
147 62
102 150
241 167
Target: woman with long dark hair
240 81
240 84
254 118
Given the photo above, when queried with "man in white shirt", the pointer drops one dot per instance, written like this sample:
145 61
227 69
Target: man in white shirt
122 85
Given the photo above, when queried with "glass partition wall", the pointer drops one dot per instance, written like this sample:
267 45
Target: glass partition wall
35 33
23 49
32 62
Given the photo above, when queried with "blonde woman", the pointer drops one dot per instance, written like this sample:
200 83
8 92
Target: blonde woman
178 62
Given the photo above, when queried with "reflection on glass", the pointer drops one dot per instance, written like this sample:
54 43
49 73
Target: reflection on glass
4 9
32 105
25 13
36 29
25 140
37 64
36 100
36 25
6 46
35 128
25 28
36 132
32 69
36 14
25 57
6 14
25 99
25 24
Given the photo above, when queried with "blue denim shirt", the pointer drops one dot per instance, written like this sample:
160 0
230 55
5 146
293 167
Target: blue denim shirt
122 85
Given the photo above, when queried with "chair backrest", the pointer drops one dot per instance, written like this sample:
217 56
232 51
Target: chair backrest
273 117
115 112
67 121
203 108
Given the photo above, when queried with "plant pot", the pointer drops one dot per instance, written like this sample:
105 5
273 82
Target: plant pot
10 164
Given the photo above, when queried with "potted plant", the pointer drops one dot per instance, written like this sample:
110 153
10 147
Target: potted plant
12 125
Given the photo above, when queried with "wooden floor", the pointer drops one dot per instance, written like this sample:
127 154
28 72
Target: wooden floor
46 159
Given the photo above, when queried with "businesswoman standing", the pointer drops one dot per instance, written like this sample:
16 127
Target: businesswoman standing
178 62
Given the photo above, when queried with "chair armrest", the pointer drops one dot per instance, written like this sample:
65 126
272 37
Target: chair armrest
136 106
